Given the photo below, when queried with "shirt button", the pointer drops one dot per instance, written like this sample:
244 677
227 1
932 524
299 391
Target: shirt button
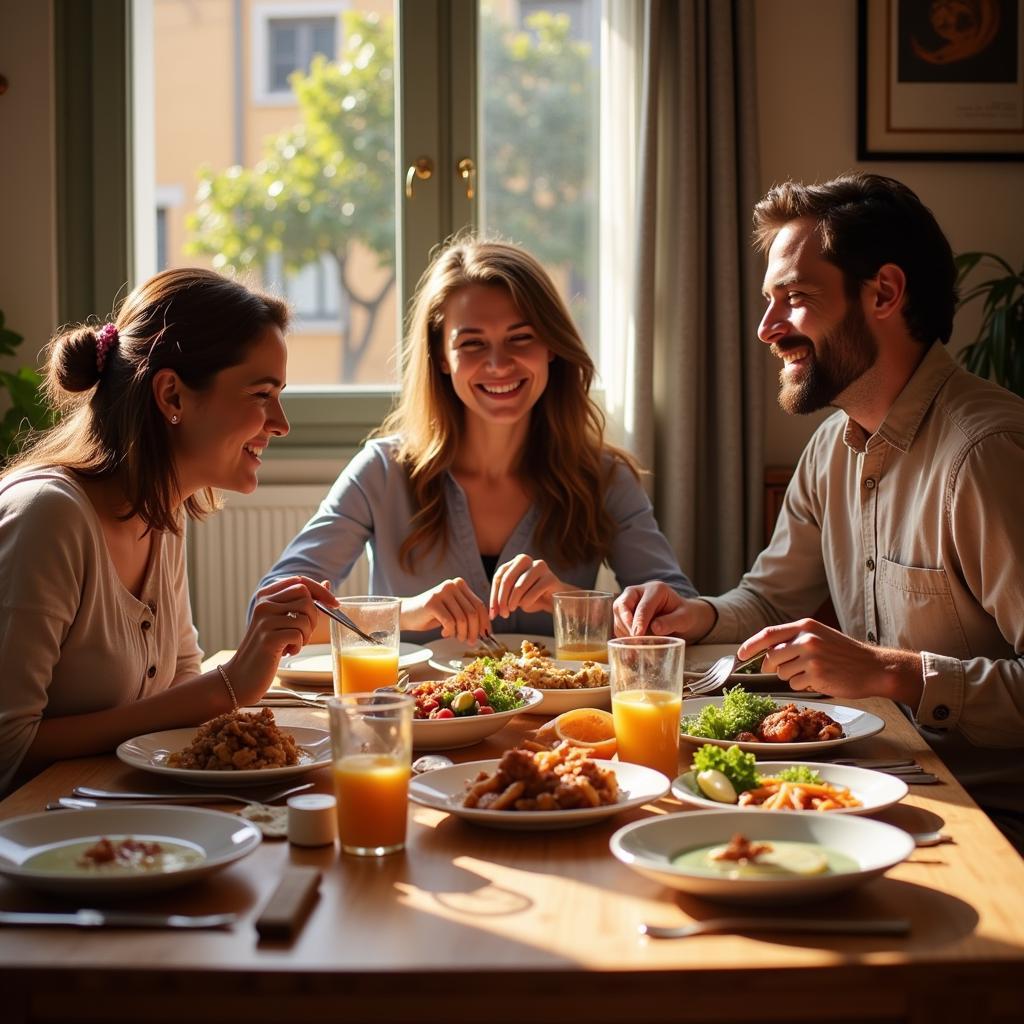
940 712
870 563
870 483
871 637
152 671
147 624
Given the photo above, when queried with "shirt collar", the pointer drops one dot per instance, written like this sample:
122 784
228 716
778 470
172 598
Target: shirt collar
902 421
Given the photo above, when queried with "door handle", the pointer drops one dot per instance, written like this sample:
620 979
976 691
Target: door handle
467 172
422 168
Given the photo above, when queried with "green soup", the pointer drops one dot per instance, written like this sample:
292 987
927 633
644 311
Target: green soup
73 858
784 860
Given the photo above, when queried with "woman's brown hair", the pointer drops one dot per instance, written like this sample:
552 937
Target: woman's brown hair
565 462
190 320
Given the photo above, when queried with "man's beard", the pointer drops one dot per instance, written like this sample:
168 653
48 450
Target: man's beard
843 355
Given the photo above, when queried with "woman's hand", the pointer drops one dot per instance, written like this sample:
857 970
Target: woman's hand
452 605
523 583
282 621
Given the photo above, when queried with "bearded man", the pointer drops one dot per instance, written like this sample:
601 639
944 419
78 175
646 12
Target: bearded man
905 507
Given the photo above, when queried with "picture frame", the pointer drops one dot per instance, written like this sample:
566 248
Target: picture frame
940 81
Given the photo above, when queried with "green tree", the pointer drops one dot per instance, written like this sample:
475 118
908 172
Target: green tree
327 185
323 186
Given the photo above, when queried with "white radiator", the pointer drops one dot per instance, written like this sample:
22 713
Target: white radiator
230 551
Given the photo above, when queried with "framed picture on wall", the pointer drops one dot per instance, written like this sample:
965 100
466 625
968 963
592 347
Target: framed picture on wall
940 79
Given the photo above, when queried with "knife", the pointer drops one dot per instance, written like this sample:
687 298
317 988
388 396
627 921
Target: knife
115 919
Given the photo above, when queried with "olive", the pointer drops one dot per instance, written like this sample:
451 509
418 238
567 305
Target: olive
464 703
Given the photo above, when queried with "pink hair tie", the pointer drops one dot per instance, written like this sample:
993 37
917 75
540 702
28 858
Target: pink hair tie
106 338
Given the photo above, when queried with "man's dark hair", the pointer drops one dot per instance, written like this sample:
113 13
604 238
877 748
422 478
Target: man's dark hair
867 220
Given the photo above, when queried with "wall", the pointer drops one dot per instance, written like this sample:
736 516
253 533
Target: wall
807 90
28 287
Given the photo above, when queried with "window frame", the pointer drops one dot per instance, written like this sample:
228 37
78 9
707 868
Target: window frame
259 54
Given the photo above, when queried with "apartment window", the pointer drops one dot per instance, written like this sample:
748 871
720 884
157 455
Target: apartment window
292 45
285 38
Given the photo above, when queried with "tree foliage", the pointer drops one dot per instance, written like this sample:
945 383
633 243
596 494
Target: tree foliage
327 184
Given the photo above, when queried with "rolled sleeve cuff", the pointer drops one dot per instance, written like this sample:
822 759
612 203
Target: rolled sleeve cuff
726 628
942 700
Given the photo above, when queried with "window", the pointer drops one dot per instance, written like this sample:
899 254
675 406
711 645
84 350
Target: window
285 37
280 134
293 43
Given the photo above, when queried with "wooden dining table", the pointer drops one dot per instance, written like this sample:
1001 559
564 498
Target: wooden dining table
473 924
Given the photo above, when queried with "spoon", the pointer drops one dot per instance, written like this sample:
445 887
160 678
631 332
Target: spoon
430 763
931 838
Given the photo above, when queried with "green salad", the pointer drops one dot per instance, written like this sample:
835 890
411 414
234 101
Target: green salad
740 768
739 711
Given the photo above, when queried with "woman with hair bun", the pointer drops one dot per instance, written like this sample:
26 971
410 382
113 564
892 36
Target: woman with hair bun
490 487
179 395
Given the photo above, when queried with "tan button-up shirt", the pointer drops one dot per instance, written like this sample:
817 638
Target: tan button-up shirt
916 532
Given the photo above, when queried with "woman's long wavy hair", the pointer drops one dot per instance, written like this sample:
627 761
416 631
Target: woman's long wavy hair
566 463
190 320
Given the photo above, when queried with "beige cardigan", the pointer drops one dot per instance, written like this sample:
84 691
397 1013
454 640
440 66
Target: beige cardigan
72 638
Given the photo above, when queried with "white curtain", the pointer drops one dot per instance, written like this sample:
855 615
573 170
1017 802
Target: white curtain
684 372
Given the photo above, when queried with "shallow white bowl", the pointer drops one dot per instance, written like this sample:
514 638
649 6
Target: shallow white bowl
452 733
223 838
649 847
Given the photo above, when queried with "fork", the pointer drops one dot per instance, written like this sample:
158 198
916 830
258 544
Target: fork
340 616
487 639
718 675
199 797
833 925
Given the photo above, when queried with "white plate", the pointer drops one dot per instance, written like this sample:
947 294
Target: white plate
443 789
874 790
449 654
649 847
222 837
856 725
150 753
312 665
451 733
700 657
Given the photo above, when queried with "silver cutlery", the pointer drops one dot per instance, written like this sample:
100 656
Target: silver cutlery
114 919
430 763
198 797
874 762
935 838
718 675
731 925
341 617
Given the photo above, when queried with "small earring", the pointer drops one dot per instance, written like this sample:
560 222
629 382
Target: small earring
174 418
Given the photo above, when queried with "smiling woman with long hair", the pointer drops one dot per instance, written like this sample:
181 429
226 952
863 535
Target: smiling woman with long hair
490 486
179 395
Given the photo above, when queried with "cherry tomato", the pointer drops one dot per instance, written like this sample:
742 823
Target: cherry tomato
443 713
485 709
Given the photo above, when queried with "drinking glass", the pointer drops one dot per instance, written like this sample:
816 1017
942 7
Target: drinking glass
583 623
360 666
371 750
647 699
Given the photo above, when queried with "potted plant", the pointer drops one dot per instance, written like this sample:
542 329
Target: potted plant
997 351
27 407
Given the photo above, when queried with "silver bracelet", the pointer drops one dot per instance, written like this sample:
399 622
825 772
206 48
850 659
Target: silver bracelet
231 689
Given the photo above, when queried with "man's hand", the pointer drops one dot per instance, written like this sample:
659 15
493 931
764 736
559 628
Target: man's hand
812 656
655 609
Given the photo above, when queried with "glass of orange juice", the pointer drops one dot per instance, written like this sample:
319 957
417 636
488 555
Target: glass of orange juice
371 751
583 623
647 699
360 667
